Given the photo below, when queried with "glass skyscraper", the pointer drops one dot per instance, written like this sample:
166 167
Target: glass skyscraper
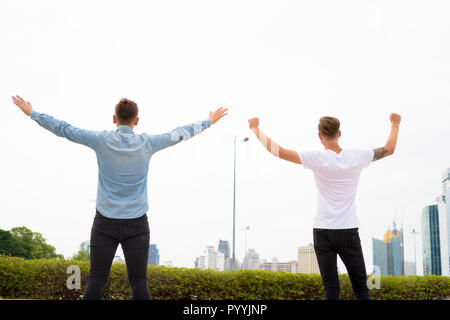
388 254
153 255
398 252
436 232
397 256
431 240
380 256
224 247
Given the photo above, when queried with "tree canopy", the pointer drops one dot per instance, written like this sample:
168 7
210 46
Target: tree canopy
22 242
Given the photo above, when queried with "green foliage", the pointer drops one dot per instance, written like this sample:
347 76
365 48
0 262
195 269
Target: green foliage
22 242
81 255
10 246
47 278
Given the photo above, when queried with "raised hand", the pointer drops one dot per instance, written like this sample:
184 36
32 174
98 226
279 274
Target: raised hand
217 115
395 119
253 123
25 106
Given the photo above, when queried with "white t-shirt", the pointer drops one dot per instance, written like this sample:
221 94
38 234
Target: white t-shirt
336 176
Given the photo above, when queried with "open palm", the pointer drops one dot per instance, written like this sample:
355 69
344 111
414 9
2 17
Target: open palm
25 106
217 115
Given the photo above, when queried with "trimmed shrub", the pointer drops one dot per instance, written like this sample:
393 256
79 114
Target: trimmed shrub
47 279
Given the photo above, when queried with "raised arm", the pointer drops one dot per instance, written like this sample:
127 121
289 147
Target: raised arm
58 127
271 146
391 143
162 141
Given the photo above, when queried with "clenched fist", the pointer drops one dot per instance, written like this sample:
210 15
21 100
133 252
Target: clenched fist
395 119
253 123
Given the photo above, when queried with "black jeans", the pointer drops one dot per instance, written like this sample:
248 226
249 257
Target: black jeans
106 234
346 243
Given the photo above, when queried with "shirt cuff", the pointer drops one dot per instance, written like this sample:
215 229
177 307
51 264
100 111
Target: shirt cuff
34 115
207 122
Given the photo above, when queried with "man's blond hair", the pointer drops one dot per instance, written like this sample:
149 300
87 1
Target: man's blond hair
329 127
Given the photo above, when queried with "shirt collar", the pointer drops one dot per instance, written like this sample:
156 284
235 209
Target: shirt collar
124 128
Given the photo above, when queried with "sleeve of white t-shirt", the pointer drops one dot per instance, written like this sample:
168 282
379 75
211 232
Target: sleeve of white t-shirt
366 157
310 159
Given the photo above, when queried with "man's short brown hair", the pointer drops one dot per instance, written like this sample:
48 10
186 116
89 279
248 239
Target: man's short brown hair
126 111
329 127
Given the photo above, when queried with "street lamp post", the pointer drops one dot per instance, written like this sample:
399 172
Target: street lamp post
234 201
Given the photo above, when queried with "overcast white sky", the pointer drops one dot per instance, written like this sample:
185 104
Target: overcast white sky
287 62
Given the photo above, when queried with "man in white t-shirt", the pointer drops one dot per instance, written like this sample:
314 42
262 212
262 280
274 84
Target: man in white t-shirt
336 174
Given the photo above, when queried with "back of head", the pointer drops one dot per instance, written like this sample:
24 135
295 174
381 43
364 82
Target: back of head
126 111
329 127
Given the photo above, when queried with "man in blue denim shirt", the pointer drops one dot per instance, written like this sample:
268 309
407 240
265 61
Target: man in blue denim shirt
122 200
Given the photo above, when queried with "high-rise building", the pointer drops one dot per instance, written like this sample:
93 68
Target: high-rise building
215 260
224 247
211 259
443 237
398 251
153 255
444 222
200 262
220 264
410 268
445 181
251 260
398 267
436 232
431 241
275 265
388 254
307 260
380 256
447 215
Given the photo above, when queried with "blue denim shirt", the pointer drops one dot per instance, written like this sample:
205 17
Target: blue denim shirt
123 158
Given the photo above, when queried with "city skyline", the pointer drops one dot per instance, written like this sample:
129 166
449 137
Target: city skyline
389 253
219 260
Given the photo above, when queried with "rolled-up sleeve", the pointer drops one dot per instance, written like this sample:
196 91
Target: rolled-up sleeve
65 130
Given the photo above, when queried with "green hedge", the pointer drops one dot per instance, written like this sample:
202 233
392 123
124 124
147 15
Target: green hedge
46 279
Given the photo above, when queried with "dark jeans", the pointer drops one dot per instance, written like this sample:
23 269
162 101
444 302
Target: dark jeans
328 244
106 234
